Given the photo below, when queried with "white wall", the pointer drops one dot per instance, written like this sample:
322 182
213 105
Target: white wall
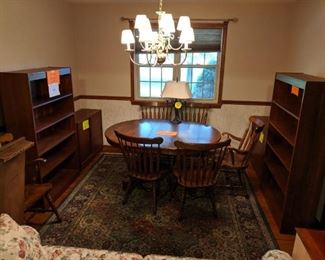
229 118
255 49
269 37
35 33
103 66
308 37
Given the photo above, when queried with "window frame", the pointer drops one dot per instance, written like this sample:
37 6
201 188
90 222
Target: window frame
214 103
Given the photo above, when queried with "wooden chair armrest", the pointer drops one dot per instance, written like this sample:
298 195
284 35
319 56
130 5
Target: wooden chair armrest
37 161
229 135
235 150
40 159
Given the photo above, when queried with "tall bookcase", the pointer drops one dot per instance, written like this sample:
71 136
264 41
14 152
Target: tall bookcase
293 168
49 122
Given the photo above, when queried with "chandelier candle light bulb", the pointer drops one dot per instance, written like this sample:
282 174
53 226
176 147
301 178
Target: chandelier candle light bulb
158 44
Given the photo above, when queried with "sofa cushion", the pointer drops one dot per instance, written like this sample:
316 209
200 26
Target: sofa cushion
75 253
19 242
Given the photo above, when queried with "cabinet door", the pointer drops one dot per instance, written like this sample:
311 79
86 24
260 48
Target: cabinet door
96 133
84 142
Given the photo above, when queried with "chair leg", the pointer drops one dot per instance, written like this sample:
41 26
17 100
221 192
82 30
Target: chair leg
211 195
154 193
180 218
54 209
129 190
240 178
172 184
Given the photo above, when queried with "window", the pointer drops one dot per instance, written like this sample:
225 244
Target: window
202 69
199 70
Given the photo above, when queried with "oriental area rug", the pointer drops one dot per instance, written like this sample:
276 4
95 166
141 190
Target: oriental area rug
94 217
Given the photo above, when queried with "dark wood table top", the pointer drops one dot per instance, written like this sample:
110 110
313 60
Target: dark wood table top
185 131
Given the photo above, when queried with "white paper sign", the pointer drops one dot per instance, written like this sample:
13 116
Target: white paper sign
54 90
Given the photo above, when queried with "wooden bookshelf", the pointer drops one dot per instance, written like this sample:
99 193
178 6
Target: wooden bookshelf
47 143
293 160
48 121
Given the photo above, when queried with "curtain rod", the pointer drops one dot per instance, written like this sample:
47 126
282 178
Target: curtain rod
235 20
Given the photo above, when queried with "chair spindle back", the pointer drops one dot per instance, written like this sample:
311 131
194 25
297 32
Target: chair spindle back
197 165
193 113
142 155
156 110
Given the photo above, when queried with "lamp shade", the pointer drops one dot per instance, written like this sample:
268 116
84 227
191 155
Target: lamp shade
127 37
142 22
166 23
187 35
178 90
184 22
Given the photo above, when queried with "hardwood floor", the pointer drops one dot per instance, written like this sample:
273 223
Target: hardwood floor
285 242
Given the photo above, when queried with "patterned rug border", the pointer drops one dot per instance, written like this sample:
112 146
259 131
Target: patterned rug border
258 212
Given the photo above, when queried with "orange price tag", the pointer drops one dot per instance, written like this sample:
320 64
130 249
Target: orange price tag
295 90
53 77
169 133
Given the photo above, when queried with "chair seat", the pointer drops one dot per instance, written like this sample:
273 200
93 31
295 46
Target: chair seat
235 163
35 192
202 182
142 177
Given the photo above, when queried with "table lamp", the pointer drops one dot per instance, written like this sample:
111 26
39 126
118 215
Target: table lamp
178 91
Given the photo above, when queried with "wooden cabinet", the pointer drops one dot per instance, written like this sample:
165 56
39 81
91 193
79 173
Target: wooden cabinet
294 153
48 121
90 134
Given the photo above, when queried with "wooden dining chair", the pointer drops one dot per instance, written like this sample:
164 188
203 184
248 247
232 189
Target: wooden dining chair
37 193
193 112
197 166
157 110
142 156
237 158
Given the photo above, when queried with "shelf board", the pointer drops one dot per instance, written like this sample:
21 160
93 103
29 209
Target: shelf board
284 133
281 152
292 79
56 159
45 101
285 109
50 120
36 74
278 174
47 143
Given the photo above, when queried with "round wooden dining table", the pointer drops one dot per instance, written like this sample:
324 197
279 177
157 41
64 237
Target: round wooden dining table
185 131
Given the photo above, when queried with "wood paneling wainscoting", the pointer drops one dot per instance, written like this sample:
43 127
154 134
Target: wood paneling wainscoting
223 102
